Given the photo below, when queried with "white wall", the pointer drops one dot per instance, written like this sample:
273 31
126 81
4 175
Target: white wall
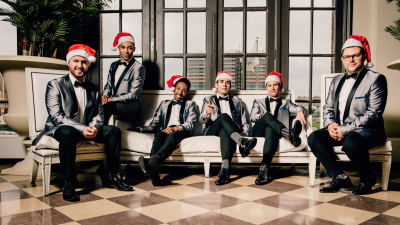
370 17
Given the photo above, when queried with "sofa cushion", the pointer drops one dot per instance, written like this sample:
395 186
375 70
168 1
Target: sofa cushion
384 148
47 142
142 143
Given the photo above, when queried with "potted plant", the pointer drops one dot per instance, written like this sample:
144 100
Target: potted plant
46 25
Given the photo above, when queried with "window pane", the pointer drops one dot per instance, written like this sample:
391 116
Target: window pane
305 105
114 5
321 65
196 73
233 65
300 3
8 37
316 115
323 32
255 73
131 4
173 66
233 3
324 3
299 32
256 3
196 32
299 76
132 23
105 64
173 33
173 3
233 32
256 25
109 29
196 3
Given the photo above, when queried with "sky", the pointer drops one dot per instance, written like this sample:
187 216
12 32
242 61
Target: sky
8 36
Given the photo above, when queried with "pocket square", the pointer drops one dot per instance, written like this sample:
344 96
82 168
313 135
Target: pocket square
361 97
283 109
127 79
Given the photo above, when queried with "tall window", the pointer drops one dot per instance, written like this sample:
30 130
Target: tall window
122 16
182 40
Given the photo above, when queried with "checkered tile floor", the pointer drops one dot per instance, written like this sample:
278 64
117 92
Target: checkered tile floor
189 198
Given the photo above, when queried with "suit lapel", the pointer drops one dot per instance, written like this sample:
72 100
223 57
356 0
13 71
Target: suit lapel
183 106
337 94
168 114
353 90
73 96
278 106
123 74
89 102
113 77
216 101
267 104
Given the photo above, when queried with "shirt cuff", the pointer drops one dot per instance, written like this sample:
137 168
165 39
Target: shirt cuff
180 128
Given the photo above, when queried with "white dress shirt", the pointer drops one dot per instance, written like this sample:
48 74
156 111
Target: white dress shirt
344 95
272 105
120 70
225 107
174 117
80 93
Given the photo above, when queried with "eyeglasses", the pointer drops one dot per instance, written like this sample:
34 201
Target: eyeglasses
349 57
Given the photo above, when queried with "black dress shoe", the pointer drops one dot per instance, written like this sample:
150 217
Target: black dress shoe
294 136
69 193
337 184
155 179
115 182
154 169
223 177
365 187
246 144
262 175
144 164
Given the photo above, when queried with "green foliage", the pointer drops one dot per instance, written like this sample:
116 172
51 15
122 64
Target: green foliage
394 30
47 23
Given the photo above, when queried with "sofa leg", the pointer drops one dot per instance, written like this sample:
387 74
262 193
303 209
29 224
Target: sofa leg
46 172
312 164
386 172
207 164
34 169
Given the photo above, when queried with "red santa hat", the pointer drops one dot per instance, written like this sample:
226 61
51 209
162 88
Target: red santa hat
220 75
122 37
81 50
362 42
174 79
274 76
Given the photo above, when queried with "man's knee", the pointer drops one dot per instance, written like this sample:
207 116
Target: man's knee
225 116
111 130
68 132
314 138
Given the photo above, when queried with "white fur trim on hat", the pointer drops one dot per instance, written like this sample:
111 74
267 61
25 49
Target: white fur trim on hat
273 78
123 39
352 43
82 53
223 75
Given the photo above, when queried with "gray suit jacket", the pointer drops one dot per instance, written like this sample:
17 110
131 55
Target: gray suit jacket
127 89
365 106
62 107
286 113
160 120
241 117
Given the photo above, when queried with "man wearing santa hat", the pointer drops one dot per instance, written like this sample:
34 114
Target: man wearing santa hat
173 121
122 92
76 114
273 118
225 116
352 118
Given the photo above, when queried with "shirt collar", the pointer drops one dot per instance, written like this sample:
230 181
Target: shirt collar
227 96
73 79
127 61
358 73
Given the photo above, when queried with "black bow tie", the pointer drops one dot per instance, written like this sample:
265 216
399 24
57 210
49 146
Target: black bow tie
122 63
82 84
277 100
347 76
176 103
223 99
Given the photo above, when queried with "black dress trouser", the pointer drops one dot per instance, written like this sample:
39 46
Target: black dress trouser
270 128
110 109
68 137
165 144
224 127
354 145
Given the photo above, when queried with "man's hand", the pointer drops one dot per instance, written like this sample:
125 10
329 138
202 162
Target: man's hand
209 109
109 99
90 132
104 99
333 128
170 130
300 117
340 135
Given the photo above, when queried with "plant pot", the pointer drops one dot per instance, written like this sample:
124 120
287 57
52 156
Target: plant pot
13 71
